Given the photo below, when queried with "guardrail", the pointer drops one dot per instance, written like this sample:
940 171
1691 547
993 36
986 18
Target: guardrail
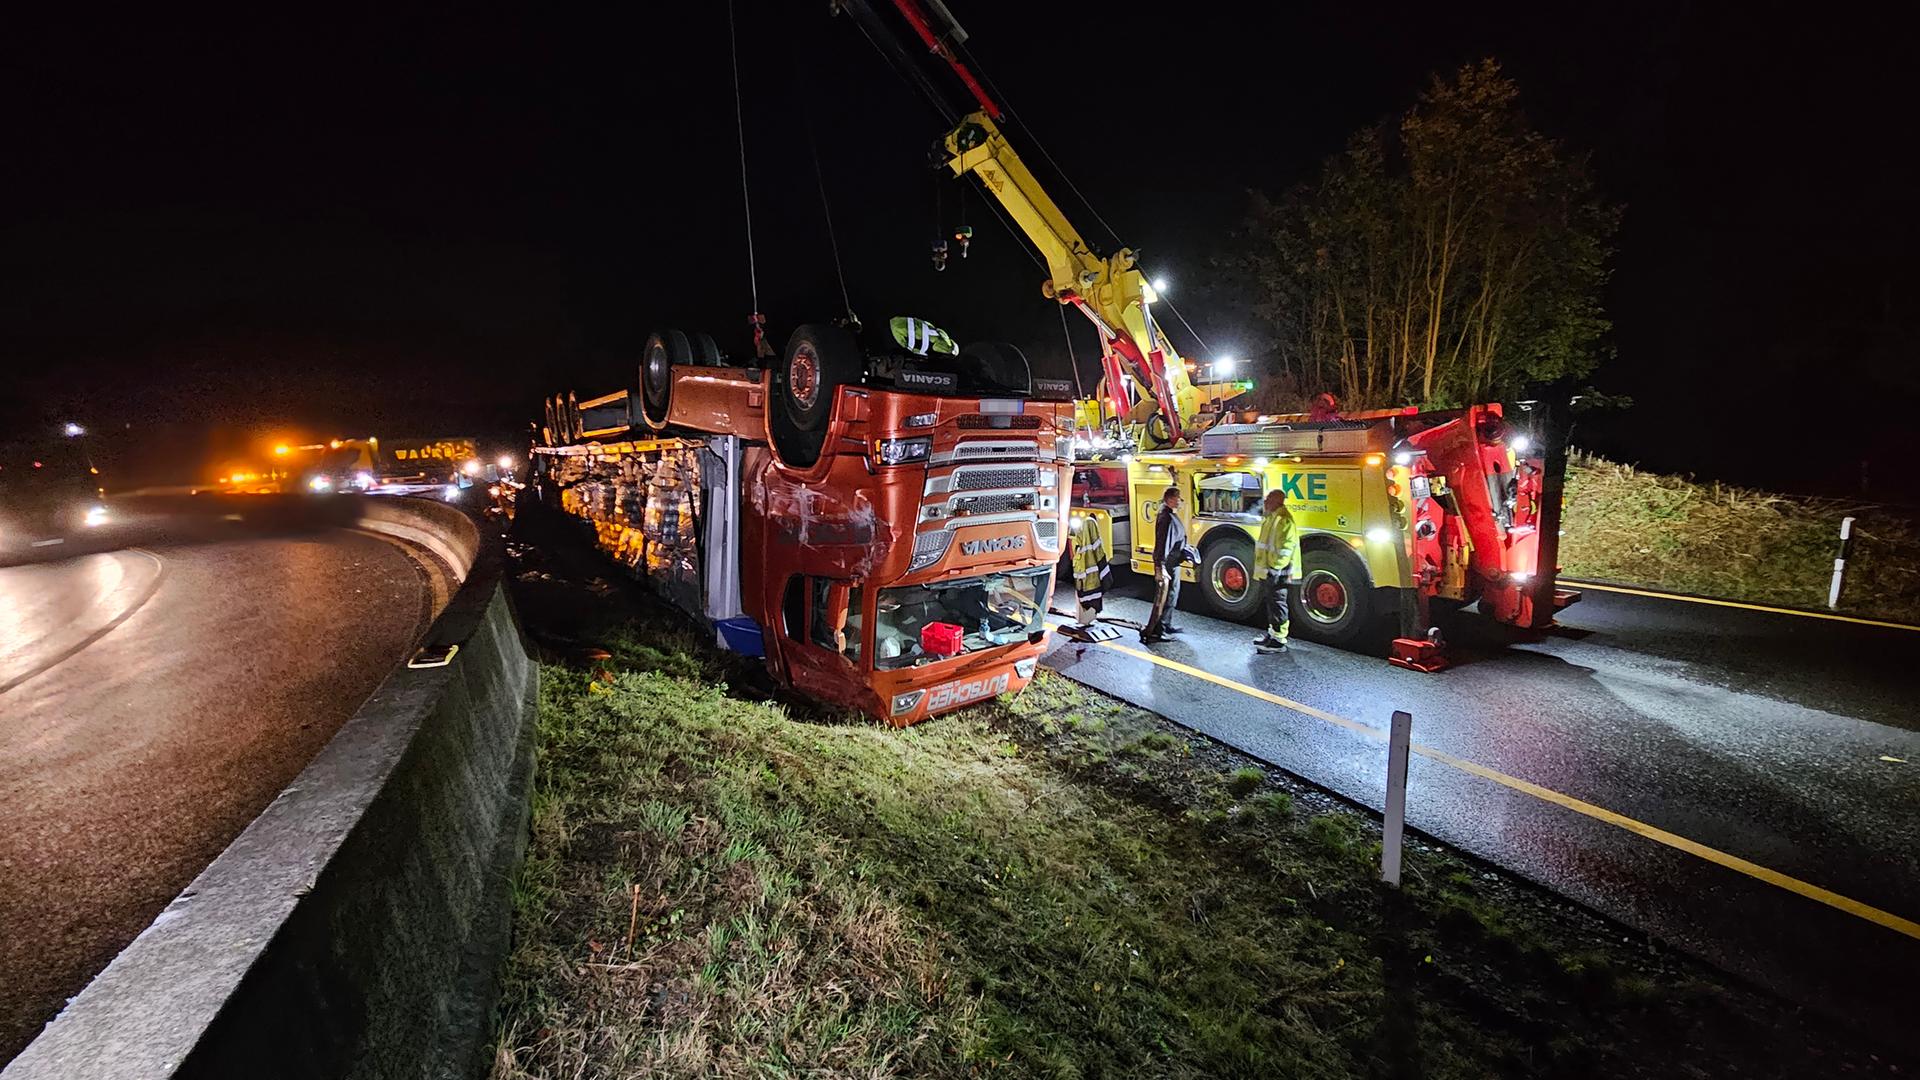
356 927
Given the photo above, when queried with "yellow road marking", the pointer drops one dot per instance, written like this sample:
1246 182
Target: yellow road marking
1579 806
1830 617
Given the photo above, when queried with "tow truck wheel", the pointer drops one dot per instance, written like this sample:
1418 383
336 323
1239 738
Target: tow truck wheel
571 421
552 427
818 360
1331 595
995 367
1228 587
664 349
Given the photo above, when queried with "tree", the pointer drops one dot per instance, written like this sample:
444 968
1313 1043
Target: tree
1448 255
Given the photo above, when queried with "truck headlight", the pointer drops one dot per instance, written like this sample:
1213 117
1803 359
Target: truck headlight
907 702
902 451
320 483
1379 534
96 516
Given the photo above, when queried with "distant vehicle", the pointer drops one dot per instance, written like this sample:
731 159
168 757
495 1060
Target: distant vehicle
49 494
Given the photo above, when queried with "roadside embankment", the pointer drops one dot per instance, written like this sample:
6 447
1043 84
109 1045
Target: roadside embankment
722 884
1667 532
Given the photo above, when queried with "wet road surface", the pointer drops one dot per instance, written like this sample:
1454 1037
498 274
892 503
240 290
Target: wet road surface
1761 736
151 703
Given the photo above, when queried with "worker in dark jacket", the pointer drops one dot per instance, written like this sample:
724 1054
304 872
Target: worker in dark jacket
1170 552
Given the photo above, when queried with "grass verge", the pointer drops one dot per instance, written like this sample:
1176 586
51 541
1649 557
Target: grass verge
1670 532
1052 885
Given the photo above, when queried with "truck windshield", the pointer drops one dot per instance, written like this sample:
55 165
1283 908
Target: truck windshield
995 609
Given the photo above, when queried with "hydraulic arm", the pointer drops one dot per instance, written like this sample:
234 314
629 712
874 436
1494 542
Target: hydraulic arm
1110 290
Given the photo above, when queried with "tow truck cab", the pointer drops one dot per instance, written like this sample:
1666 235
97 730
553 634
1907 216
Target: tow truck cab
1395 509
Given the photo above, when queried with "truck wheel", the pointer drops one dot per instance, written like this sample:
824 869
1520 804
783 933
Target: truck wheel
664 350
1332 597
571 421
1228 587
995 367
818 360
706 351
552 428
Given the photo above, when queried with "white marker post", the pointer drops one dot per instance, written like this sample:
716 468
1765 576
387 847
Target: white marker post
1840 563
1397 739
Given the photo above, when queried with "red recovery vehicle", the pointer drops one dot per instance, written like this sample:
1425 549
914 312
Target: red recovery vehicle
881 526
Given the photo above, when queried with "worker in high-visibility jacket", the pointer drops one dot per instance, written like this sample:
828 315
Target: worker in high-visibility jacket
1091 571
1276 559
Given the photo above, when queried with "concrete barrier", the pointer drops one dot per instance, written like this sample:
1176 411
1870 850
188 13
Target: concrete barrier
356 927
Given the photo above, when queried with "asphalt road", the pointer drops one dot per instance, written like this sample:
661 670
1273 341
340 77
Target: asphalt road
1764 737
151 704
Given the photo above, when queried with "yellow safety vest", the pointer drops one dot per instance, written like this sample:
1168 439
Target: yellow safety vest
1089 561
1279 545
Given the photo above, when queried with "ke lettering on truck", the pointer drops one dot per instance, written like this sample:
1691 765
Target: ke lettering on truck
880 526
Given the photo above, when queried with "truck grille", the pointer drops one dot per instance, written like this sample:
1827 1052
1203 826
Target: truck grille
993 504
1006 451
977 420
979 479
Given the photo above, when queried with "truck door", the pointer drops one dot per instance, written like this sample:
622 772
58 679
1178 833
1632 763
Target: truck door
824 626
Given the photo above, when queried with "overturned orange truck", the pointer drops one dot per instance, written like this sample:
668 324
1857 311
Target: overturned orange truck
881 526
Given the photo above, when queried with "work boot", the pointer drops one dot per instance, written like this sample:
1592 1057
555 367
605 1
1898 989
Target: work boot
1176 629
1152 639
1270 645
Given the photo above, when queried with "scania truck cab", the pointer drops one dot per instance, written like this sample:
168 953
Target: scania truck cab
882 529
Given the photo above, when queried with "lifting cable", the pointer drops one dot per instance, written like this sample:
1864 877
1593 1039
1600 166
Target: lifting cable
746 198
1007 107
820 179
1078 393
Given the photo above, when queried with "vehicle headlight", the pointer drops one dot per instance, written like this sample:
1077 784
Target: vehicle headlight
907 702
320 483
1379 534
365 480
450 492
96 515
902 451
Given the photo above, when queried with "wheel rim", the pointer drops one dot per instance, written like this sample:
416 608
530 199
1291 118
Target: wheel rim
1325 597
1230 579
803 376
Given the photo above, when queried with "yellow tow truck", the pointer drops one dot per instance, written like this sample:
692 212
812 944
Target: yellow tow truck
1398 508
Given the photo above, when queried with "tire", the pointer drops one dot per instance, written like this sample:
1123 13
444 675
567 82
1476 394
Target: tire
818 360
706 351
1332 597
552 429
995 368
571 421
665 349
1229 589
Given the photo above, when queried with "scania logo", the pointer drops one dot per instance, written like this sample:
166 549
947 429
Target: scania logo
989 545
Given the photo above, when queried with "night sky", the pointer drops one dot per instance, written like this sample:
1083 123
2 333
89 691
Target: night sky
423 221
